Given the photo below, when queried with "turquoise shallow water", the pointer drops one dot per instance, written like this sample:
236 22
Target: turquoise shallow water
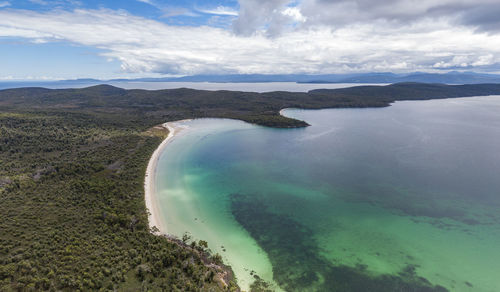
404 198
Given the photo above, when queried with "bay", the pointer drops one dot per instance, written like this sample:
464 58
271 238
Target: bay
403 197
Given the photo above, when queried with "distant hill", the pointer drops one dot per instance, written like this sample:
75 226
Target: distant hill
384 77
448 78
258 108
373 78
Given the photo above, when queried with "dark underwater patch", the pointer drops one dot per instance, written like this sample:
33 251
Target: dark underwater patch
297 264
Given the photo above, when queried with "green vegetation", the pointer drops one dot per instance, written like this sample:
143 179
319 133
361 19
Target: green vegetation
72 166
260 108
73 214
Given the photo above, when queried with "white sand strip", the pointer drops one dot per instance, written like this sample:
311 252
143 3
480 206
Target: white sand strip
154 216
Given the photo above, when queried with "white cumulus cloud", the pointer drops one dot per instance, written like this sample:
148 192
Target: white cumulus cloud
148 46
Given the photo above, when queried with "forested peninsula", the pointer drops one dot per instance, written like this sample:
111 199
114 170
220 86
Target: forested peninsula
72 166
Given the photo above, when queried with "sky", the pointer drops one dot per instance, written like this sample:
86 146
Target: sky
67 39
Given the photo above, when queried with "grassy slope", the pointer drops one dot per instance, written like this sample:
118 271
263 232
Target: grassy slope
72 168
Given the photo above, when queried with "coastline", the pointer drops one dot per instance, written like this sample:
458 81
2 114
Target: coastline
237 267
154 219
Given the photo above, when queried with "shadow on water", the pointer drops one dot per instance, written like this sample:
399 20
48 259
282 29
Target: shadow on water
297 263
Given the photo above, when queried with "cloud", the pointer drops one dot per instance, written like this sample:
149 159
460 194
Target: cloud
169 10
152 3
147 46
295 14
4 4
479 14
484 18
257 15
177 11
220 10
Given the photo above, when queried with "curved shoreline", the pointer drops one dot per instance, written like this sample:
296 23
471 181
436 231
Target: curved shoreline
166 224
154 219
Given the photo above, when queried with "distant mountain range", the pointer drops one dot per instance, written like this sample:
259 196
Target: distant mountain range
385 77
374 78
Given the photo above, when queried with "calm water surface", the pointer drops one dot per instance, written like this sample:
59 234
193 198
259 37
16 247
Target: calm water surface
404 198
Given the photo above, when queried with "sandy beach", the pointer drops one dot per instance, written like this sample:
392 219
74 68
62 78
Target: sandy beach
154 219
185 211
